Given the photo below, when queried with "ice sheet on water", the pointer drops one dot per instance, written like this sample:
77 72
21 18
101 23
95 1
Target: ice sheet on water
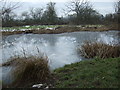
63 50
107 39
60 48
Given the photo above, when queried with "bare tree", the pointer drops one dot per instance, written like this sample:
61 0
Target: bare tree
117 12
25 15
77 6
81 10
117 7
7 8
50 15
36 13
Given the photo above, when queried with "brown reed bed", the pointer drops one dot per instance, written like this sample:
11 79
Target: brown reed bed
100 50
29 71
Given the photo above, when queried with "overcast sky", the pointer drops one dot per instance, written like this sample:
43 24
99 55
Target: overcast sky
102 6
60 0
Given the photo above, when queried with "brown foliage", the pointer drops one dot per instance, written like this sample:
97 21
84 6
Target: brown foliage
96 49
29 70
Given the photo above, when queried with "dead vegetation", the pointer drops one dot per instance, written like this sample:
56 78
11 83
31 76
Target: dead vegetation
29 71
101 50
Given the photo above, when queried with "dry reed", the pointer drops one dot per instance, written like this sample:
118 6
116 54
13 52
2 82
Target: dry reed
101 50
29 70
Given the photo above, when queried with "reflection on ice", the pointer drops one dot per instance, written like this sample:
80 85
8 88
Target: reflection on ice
63 51
60 49
107 39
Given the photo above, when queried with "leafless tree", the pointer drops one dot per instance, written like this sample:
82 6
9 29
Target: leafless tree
81 9
36 13
117 7
25 15
7 9
50 15
117 12
76 5
8 6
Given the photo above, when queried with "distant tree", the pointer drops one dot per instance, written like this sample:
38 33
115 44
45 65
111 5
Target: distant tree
33 16
25 15
117 11
7 13
82 12
36 14
114 18
49 15
117 7
109 17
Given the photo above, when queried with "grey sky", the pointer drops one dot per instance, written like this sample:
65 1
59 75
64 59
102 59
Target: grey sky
59 0
101 7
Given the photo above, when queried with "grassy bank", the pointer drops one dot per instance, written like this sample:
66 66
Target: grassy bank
97 73
53 29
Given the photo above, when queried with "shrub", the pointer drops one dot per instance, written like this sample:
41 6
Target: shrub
101 50
29 70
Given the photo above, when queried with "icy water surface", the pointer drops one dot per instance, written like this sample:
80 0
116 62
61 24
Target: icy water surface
60 49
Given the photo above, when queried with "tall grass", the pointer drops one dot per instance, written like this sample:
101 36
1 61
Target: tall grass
29 70
101 50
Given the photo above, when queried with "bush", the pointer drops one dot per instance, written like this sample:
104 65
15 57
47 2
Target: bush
96 49
29 70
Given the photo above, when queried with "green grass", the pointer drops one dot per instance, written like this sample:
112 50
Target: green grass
97 73
43 27
31 27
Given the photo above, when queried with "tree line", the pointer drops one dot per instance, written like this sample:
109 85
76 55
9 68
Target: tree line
79 12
